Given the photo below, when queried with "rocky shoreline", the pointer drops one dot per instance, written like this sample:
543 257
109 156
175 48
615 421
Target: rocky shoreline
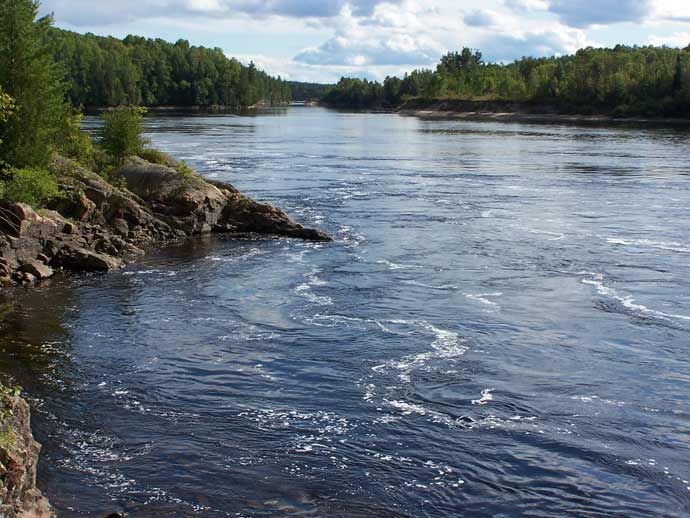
19 496
506 111
96 226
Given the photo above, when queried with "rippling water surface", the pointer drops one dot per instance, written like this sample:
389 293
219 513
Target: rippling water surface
500 329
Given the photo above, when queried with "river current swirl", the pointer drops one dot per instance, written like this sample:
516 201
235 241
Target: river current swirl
500 329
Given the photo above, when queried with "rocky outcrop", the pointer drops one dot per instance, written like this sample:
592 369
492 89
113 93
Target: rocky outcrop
97 226
19 497
198 206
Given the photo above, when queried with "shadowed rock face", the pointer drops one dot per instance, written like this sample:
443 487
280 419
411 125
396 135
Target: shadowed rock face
96 226
19 497
199 206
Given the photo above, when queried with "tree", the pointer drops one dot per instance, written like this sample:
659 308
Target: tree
29 74
121 135
6 107
678 76
108 72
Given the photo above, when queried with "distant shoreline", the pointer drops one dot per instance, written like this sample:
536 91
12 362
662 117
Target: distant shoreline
95 110
507 111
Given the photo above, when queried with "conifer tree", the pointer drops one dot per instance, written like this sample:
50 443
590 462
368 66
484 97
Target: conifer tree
29 74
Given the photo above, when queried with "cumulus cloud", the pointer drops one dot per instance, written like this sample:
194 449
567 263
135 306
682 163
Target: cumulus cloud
526 6
676 39
314 39
393 35
398 49
507 47
585 13
88 12
480 18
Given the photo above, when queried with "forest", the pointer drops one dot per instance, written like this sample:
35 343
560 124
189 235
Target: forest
307 91
106 71
620 81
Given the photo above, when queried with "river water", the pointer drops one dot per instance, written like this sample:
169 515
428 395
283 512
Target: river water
500 329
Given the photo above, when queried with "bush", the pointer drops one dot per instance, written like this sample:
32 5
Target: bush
121 135
155 157
35 187
74 143
185 172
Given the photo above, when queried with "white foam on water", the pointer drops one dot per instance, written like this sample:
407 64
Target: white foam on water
628 301
487 397
305 291
671 246
483 298
555 236
593 399
447 346
408 409
396 266
314 278
336 320
244 256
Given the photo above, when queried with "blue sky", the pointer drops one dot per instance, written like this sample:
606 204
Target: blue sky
322 40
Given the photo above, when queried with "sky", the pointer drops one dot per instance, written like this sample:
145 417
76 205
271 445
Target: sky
323 40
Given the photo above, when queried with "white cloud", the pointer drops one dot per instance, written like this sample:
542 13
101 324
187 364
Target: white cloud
586 13
393 35
676 39
89 12
320 40
526 6
481 18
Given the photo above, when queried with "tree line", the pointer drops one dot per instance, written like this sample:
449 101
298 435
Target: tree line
106 71
307 91
623 80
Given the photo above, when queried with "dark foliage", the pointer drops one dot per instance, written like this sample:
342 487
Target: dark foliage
624 81
107 72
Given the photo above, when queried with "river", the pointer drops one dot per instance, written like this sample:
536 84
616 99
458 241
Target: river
500 329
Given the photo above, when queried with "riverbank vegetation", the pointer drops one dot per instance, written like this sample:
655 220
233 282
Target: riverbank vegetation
107 72
302 92
48 75
650 81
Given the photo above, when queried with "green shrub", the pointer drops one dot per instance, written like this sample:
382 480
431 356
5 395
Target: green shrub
154 156
34 187
121 135
185 173
75 143
8 396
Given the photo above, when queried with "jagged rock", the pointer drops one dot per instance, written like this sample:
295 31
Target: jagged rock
97 226
76 258
120 226
19 497
74 205
198 206
36 268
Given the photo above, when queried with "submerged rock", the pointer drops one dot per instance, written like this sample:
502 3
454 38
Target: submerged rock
96 226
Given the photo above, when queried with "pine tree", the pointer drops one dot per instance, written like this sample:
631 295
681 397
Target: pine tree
29 74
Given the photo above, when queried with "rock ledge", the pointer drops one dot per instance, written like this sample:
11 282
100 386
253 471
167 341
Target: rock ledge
96 226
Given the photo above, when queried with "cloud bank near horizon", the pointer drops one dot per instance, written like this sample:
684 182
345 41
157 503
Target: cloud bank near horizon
320 40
